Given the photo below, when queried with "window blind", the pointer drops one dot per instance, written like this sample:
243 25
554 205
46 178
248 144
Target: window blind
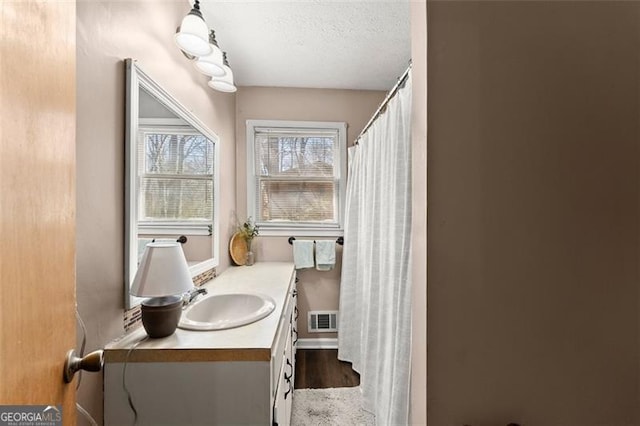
175 176
297 179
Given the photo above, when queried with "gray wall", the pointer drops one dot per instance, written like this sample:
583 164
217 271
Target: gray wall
533 213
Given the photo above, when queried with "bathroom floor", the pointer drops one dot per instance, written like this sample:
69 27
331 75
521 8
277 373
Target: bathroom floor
320 368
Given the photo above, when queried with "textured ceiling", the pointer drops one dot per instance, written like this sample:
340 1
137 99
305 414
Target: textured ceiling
322 44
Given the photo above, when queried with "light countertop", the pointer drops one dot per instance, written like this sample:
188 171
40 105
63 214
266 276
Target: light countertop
252 342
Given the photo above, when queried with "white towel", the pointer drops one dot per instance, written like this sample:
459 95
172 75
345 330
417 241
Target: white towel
325 255
303 253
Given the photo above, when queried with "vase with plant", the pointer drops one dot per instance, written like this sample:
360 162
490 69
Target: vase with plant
249 230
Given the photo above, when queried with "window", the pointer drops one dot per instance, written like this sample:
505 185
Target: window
295 176
175 179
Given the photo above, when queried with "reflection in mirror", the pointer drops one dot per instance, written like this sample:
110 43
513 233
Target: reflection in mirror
171 166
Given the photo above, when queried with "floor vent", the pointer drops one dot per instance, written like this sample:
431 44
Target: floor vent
323 321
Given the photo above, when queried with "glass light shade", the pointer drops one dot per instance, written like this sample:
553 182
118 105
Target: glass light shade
163 271
193 37
211 64
223 84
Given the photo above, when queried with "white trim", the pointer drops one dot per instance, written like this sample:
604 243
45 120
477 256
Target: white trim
136 78
176 228
340 152
201 267
151 122
301 232
319 343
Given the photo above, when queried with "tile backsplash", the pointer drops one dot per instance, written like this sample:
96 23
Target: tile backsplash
202 278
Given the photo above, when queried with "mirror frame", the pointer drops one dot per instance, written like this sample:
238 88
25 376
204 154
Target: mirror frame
136 78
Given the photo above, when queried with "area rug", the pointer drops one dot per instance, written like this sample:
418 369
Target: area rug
333 406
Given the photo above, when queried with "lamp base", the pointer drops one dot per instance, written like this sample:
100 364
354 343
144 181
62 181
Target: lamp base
160 315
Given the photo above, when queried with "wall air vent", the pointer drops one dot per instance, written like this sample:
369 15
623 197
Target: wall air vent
323 321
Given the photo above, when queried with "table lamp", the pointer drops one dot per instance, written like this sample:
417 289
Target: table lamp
163 276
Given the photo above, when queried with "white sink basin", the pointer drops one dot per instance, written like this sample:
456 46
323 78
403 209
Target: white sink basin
222 311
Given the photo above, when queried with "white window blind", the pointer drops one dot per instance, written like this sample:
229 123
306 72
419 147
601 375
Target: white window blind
296 176
175 176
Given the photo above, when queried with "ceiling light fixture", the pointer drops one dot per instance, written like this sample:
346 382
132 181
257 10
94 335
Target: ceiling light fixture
193 34
212 64
196 42
225 83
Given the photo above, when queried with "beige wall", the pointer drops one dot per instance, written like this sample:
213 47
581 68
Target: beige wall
419 212
317 290
196 249
533 217
107 33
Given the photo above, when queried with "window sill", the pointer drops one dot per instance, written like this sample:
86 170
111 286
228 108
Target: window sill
178 229
300 232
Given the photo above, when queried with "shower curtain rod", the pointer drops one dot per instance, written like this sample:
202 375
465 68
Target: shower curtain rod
386 100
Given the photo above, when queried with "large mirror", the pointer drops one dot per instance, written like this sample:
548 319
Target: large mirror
171 167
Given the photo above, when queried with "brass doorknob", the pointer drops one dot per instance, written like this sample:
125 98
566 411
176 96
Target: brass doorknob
90 362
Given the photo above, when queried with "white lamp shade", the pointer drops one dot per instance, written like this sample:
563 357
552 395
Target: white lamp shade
193 37
211 64
223 84
163 271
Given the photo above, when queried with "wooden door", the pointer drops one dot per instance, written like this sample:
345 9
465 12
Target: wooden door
37 202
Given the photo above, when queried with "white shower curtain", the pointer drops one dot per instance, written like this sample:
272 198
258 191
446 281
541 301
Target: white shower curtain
375 304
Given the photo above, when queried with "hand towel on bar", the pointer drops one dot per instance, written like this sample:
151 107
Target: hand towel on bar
325 255
303 253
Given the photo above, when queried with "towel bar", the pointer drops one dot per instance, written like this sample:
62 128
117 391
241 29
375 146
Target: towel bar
339 241
181 239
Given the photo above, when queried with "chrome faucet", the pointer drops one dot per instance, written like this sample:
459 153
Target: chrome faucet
192 294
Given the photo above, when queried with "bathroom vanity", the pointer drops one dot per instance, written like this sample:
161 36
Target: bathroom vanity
243 375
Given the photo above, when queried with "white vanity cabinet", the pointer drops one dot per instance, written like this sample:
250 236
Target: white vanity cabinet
284 364
237 376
